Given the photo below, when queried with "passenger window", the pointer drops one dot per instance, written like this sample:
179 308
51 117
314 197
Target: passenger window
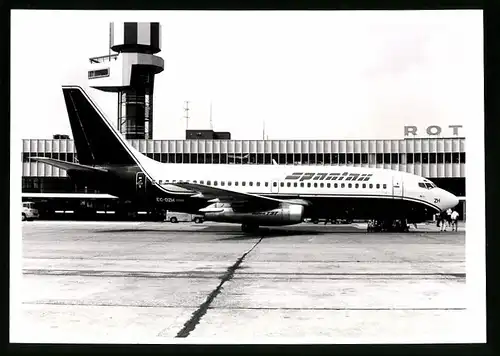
194 181
250 184
302 185
222 183
315 185
282 184
342 185
215 183
356 186
229 183
236 183
258 184
266 184
385 186
308 185
328 185
167 181
288 184
275 184
371 186
336 185
378 186
243 183
208 182
321 185
349 185
295 185
364 185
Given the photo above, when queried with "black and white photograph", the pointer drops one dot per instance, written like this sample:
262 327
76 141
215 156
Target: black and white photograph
232 177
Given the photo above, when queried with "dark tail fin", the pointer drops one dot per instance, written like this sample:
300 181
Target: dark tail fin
96 141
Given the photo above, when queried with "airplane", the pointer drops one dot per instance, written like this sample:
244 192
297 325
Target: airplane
250 195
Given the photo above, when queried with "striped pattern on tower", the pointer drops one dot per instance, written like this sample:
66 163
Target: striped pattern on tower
141 37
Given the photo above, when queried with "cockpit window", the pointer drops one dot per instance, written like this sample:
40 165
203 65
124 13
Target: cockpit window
426 185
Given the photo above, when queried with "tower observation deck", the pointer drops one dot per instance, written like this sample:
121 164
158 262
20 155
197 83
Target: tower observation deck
130 72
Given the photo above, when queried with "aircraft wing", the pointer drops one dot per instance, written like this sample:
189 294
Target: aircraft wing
68 195
230 196
67 165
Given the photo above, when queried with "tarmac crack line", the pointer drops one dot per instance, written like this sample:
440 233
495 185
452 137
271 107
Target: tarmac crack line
190 325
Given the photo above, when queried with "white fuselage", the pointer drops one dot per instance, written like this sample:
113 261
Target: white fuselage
314 181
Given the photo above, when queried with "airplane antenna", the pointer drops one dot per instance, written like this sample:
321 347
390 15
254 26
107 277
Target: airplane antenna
186 109
211 123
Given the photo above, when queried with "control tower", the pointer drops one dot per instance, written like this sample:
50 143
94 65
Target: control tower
130 72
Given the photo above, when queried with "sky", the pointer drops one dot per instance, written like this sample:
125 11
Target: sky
304 75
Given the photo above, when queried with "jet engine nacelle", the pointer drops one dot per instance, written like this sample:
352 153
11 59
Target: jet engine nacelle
285 215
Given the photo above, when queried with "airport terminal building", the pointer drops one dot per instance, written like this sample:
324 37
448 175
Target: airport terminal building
441 160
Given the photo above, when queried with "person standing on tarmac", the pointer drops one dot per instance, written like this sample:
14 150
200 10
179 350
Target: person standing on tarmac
454 220
438 219
443 220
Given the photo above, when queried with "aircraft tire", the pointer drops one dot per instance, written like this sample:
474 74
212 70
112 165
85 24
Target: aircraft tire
173 220
23 217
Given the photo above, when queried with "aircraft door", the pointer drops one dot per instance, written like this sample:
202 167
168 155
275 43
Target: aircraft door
397 187
140 183
275 186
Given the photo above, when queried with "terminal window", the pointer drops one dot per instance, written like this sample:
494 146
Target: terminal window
100 73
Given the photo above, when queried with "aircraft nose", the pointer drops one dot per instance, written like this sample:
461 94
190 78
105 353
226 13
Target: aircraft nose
450 200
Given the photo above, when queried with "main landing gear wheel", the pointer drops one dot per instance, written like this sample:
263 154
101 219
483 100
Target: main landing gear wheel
249 228
399 225
173 220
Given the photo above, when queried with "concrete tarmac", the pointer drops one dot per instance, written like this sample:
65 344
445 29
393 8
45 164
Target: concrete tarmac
130 282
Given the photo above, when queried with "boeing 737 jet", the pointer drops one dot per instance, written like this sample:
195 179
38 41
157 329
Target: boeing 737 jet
251 195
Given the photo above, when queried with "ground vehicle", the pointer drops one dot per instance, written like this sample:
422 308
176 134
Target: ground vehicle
175 217
29 212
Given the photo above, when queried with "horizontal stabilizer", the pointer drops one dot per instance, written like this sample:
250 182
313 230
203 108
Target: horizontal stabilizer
68 165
